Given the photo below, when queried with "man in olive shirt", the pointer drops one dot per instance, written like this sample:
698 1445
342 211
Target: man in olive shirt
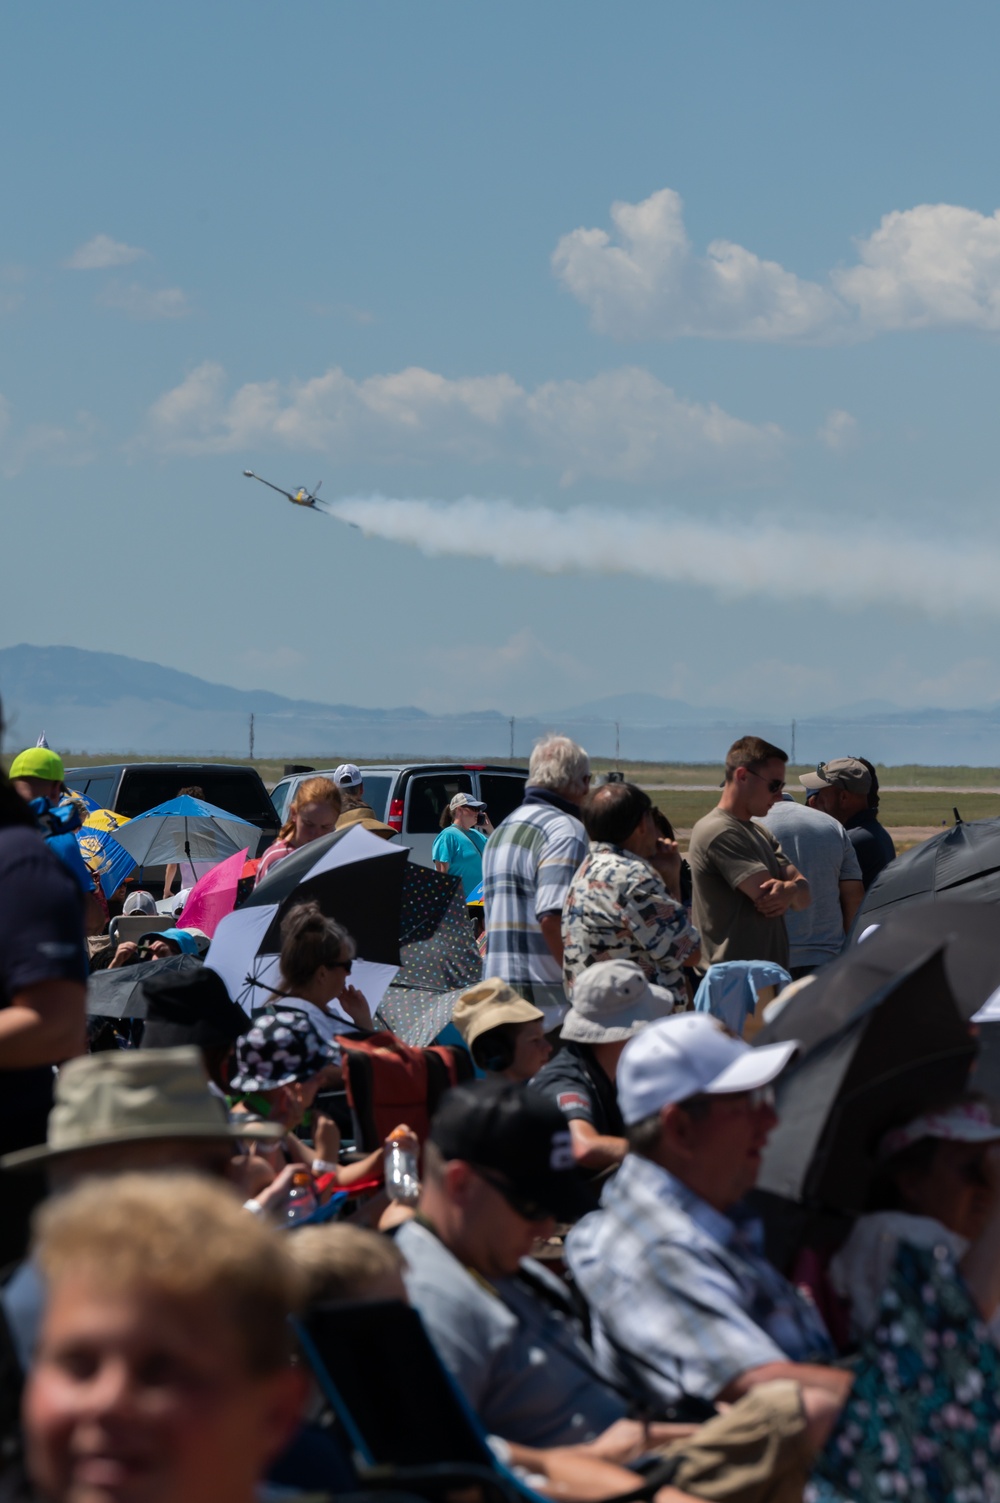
743 884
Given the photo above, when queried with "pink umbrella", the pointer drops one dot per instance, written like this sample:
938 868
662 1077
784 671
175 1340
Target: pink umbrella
213 895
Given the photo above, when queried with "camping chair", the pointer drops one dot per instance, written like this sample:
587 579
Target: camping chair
389 1082
133 925
406 1423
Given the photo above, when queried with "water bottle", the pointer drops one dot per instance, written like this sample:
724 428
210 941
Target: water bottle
402 1179
301 1201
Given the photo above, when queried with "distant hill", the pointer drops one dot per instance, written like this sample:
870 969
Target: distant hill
105 702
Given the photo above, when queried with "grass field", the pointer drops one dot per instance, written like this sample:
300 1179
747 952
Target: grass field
911 796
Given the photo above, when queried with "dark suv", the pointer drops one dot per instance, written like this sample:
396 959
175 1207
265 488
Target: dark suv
133 787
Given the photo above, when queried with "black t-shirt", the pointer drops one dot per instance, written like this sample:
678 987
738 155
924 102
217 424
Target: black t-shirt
872 844
580 1089
41 939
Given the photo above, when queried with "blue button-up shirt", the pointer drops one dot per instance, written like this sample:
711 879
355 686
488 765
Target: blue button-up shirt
682 1296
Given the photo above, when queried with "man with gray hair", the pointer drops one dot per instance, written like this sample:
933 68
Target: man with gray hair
528 865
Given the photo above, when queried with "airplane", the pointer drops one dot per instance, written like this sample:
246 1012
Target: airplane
301 497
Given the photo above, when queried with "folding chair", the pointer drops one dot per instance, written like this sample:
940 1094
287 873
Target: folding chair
407 1424
389 1082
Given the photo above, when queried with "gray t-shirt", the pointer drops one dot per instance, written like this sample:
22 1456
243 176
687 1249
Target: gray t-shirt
821 849
724 851
520 1361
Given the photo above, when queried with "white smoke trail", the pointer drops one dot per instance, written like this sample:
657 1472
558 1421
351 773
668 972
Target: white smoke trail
936 577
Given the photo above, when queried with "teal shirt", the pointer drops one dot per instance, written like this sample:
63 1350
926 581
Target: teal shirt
463 851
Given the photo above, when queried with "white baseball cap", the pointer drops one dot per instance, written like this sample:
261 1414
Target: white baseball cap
691 1054
347 776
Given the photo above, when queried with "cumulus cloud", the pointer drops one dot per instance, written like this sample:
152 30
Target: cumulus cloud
102 252
752 557
37 444
145 304
621 425
839 431
936 265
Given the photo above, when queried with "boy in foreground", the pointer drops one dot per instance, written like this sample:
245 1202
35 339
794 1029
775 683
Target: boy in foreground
163 1372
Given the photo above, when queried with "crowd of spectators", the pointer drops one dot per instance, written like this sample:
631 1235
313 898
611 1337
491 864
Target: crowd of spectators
582 1257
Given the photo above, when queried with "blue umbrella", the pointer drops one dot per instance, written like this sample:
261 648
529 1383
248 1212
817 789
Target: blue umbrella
105 857
185 828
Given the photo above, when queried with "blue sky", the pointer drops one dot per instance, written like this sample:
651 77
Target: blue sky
698 303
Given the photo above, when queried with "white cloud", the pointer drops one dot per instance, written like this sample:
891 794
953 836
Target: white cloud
933 265
41 444
620 425
145 304
936 265
839 431
103 252
751 557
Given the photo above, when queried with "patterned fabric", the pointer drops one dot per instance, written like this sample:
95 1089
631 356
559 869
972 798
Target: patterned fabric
682 1296
922 1422
618 908
274 853
528 865
281 1047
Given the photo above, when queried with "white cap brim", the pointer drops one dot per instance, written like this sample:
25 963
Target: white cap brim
755 1067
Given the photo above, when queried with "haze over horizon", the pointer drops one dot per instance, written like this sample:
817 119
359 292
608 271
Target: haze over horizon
652 349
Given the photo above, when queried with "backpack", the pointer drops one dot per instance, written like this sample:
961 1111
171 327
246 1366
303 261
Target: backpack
389 1082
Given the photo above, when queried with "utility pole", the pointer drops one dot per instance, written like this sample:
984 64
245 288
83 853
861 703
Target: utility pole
251 736
512 738
618 765
793 743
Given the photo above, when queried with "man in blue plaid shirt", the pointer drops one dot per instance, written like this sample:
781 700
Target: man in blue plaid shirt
528 865
684 1301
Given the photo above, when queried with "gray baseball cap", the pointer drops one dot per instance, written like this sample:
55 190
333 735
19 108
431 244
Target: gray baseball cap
843 772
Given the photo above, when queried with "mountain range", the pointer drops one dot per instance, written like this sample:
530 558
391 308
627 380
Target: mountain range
106 702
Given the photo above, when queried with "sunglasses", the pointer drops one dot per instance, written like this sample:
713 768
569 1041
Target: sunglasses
774 785
524 1205
343 965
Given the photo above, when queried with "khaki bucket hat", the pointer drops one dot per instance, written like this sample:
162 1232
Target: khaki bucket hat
487 1005
124 1096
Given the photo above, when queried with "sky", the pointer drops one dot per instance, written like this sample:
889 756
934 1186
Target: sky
649 347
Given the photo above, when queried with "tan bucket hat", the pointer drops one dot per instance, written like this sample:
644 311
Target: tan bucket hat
123 1096
488 1004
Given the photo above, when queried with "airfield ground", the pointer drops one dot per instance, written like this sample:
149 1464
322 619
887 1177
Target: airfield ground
916 801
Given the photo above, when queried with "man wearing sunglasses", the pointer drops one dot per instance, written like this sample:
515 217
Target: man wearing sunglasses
743 883
685 1304
498 1173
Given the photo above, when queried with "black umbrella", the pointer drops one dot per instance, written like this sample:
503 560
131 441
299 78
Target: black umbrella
364 893
903 1048
355 877
439 957
961 863
967 932
119 994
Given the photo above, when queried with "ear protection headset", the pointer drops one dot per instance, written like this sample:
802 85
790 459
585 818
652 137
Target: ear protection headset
493 1051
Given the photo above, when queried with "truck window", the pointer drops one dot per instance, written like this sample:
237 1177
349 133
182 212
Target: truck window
377 793
237 793
100 790
427 795
501 792
279 797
